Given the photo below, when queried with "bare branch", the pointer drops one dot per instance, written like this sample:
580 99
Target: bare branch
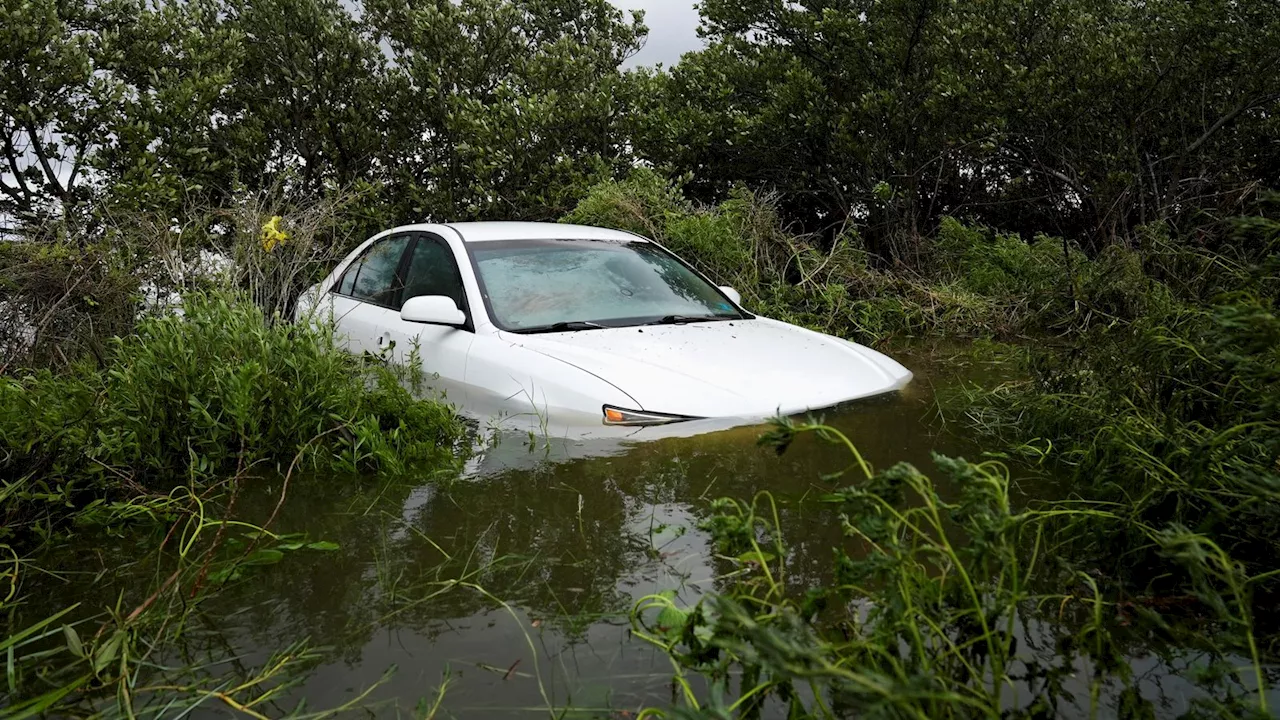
11 155
50 176
1225 119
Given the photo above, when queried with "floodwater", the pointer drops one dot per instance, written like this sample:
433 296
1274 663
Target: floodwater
567 535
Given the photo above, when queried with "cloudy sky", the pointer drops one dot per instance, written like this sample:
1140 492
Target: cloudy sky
673 30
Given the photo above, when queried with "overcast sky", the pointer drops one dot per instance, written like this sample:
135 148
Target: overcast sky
673 30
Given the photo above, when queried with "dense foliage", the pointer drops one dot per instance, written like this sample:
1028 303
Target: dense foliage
456 110
1081 118
1174 416
191 399
1085 118
1152 392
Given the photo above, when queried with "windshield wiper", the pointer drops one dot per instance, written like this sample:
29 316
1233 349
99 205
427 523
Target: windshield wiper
686 319
562 326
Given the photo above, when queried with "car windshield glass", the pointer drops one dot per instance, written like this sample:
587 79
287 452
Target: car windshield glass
538 284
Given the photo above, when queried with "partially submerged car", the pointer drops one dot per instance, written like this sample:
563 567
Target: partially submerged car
581 326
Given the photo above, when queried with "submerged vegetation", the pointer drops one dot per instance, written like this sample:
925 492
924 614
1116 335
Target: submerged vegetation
948 609
1149 385
191 410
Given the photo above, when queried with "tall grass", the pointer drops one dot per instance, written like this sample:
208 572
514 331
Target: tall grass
65 292
62 301
1153 369
1175 418
152 658
191 399
267 245
938 609
148 376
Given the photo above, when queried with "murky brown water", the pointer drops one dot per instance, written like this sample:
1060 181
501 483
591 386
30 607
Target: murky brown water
568 535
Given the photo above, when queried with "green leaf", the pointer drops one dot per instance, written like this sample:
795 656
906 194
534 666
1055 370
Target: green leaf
108 652
264 556
671 621
323 545
760 558
73 641
36 706
15 639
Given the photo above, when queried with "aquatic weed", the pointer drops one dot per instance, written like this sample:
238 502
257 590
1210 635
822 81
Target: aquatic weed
930 612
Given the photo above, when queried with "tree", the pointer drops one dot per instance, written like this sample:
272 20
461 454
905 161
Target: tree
174 142
109 98
502 108
55 106
311 94
1088 117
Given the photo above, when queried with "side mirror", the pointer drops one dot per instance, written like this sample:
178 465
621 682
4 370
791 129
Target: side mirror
734 295
433 309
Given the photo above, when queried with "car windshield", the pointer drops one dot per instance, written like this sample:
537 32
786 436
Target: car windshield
543 285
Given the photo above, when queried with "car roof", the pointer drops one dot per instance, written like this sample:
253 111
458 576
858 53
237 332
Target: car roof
486 231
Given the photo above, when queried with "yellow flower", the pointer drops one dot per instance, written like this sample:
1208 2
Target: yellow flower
272 235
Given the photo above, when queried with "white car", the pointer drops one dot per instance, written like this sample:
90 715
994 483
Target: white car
581 327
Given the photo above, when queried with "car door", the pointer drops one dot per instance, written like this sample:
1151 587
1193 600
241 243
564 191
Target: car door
431 268
368 292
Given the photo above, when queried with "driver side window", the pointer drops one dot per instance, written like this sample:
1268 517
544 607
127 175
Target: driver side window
375 276
433 271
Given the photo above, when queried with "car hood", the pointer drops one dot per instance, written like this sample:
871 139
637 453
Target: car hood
751 368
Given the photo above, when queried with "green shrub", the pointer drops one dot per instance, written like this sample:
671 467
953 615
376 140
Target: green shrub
999 264
193 398
726 243
1048 283
976 282
1114 286
641 203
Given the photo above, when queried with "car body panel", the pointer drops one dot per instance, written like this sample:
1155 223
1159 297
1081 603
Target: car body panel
520 388
442 354
746 368
486 231
363 325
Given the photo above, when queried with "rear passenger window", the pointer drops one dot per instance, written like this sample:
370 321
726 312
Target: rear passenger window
374 276
348 279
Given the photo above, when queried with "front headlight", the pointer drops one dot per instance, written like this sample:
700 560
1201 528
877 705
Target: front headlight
619 416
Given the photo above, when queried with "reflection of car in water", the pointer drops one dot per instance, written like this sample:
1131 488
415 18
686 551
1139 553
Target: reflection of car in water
554 326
